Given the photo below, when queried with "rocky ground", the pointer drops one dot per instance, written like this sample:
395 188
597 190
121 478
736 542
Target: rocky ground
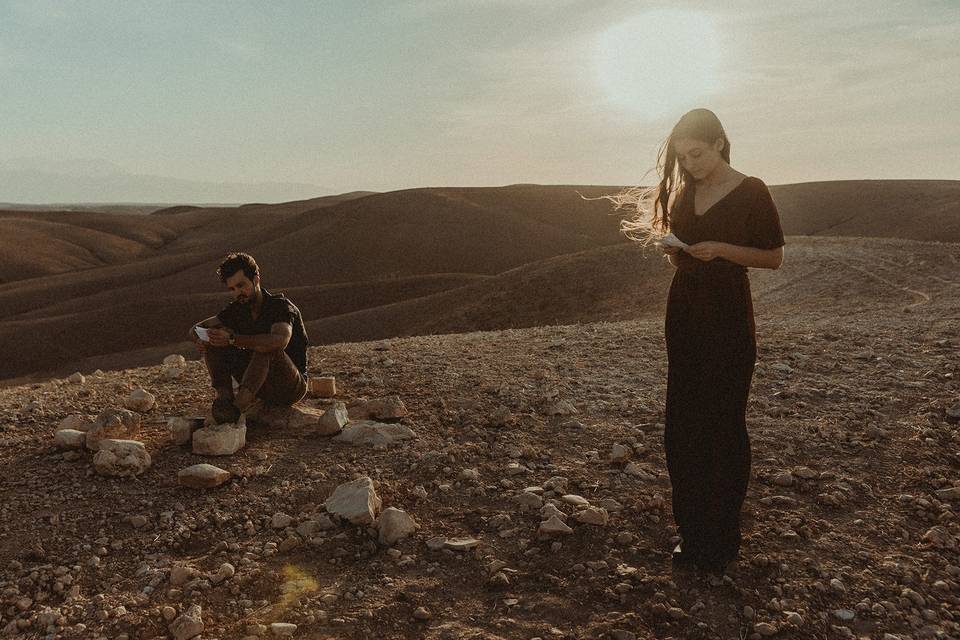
850 524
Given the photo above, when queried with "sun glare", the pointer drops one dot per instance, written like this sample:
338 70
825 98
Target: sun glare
659 62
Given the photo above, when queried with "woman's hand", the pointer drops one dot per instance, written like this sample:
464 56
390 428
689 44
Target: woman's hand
707 251
670 251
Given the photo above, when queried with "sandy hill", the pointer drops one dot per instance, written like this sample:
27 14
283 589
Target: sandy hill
849 527
366 265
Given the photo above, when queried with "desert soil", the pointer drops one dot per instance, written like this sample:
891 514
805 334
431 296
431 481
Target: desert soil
843 531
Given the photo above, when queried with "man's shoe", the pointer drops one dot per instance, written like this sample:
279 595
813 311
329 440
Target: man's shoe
224 410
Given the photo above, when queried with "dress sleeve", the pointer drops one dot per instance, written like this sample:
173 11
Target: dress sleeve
765 230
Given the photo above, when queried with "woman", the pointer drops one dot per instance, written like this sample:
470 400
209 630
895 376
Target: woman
729 222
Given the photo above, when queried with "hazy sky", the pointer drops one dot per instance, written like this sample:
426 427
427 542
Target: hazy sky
359 94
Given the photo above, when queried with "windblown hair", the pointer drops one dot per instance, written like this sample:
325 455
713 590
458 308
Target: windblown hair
652 207
235 262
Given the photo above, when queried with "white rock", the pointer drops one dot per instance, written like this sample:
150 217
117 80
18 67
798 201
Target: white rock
175 360
69 438
189 625
202 476
75 421
140 400
593 515
283 629
323 386
115 424
575 500
121 458
367 432
554 526
76 378
460 544
333 420
220 439
395 525
355 501
172 373
806 473
388 408
182 428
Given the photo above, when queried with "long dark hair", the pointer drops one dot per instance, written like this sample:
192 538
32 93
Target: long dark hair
654 205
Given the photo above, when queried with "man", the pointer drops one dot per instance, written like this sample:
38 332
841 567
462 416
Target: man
258 340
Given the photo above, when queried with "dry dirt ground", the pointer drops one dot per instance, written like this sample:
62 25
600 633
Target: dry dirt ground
844 535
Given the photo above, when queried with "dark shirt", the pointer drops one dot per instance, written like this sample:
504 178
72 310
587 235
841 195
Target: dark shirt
275 308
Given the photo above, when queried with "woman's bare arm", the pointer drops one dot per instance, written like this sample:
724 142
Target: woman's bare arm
745 256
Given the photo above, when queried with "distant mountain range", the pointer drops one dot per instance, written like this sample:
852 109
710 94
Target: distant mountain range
367 266
36 181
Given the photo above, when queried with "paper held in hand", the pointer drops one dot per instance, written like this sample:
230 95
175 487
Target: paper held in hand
671 240
202 333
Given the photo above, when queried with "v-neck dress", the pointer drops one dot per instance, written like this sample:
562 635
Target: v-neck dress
711 351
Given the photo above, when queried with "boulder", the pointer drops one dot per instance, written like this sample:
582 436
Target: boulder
172 373
554 526
69 438
323 387
395 525
593 515
333 420
355 501
461 544
76 378
220 439
115 424
202 476
182 428
294 417
189 625
76 421
368 432
140 400
387 408
121 458
175 360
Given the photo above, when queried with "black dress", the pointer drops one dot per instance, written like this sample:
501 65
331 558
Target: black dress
711 350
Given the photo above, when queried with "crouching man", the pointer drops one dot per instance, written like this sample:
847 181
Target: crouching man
258 340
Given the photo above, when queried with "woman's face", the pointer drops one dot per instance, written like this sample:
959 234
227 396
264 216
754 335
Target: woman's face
698 158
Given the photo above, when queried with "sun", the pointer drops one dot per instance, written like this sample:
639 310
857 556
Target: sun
659 62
